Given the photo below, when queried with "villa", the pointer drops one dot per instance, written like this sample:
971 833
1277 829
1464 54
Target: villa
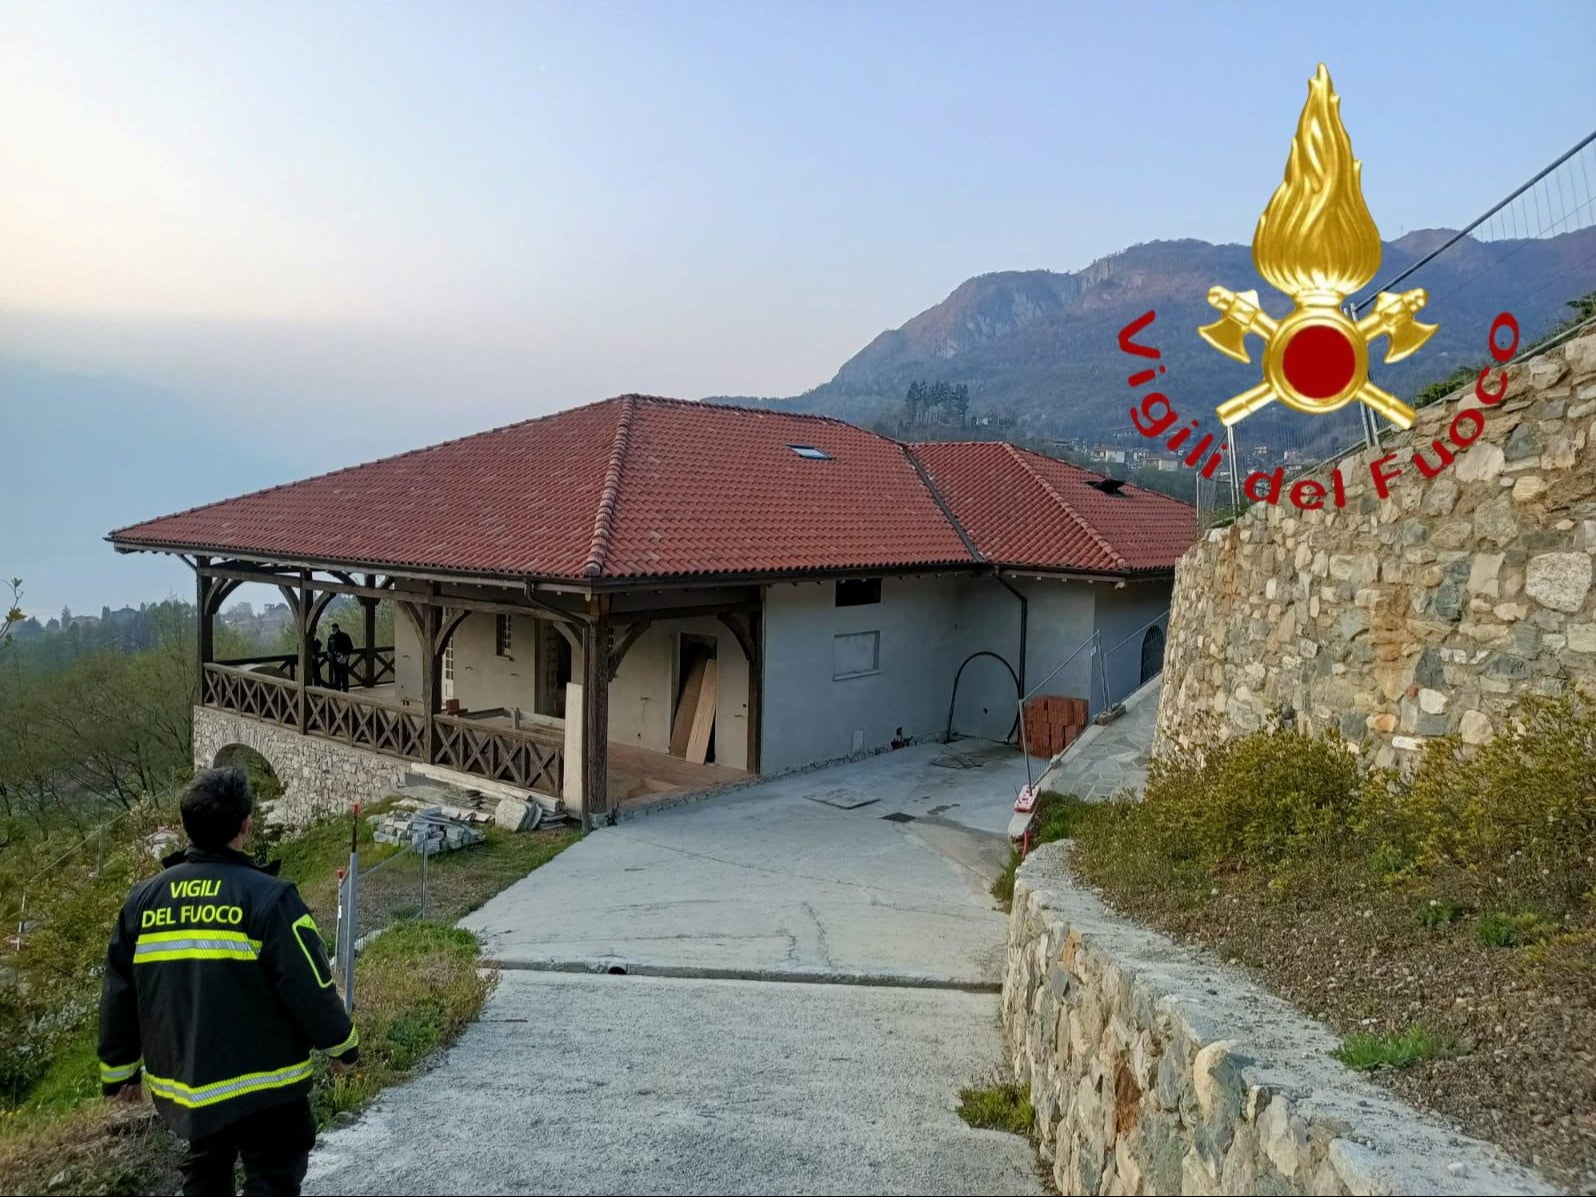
648 595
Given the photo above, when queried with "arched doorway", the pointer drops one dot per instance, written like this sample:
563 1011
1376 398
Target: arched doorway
263 780
1152 654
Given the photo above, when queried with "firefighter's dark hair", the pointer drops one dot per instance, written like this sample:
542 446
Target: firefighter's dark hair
215 806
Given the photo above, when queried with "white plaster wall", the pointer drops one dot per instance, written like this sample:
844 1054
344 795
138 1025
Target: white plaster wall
484 680
406 659
642 694
1120 613
810 717
1061 614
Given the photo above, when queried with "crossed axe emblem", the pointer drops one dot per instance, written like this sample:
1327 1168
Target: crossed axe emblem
1317 358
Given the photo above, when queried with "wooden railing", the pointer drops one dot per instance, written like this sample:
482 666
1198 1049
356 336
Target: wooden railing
258 695
365 723
517 757
499 754
381 665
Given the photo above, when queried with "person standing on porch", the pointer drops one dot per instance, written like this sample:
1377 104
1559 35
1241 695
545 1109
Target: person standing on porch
340 648
217 990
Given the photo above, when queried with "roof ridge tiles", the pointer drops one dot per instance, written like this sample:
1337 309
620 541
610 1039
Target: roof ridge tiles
930 484
604 518
1069 510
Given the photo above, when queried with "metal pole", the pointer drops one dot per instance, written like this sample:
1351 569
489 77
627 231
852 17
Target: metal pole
1235 485
426 855
351 930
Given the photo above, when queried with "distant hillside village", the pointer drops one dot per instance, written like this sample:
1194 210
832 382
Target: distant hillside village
58 641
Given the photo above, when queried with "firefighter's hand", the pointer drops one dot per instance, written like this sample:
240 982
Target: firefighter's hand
339 1068
129 1095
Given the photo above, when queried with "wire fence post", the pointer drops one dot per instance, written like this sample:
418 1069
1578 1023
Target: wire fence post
426 855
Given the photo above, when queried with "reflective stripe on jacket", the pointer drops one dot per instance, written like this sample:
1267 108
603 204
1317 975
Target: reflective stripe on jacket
217 989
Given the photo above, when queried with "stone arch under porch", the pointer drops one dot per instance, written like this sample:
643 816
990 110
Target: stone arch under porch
319 777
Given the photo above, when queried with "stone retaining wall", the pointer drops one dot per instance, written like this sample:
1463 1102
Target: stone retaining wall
1153 1070
320 777
1431 612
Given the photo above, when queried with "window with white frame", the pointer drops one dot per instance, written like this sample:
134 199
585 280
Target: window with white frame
855 654
503 640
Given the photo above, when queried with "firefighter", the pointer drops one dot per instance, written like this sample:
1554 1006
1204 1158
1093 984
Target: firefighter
217 990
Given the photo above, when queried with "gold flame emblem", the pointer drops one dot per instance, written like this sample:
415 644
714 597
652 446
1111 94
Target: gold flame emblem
1317 243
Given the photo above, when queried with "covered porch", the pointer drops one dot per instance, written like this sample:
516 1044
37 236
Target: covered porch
589 702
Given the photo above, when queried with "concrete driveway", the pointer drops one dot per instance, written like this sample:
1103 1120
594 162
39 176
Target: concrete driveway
809 984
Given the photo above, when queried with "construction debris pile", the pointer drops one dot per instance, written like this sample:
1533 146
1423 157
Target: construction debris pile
428 831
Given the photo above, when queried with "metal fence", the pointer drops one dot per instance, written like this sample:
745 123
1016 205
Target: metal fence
1100 688
1532 253
398 885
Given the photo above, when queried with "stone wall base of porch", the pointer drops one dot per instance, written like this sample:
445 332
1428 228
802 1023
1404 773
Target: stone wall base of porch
320 777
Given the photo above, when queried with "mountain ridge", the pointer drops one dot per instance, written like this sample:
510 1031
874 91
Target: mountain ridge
1038 348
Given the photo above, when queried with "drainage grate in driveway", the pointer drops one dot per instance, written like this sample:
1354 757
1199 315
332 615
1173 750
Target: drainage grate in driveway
898 816
842 798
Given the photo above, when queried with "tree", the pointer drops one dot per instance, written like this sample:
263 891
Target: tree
13 615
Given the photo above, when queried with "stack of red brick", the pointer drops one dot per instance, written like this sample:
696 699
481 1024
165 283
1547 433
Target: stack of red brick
1052 722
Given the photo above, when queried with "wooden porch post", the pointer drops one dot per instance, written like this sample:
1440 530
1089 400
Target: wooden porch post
756 686
302 671
431 677
595 712
369 656
205 631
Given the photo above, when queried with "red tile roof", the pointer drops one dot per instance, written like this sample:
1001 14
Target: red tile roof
1022 508
640 487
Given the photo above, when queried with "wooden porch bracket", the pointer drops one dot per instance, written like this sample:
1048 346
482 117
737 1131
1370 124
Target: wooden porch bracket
618 653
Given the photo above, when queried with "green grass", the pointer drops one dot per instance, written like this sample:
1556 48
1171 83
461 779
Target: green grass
998 1107
416 988
1058 817
1393 1049
72 1079
1439 912
1513 928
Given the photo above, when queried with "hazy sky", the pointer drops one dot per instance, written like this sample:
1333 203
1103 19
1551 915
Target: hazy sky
406 221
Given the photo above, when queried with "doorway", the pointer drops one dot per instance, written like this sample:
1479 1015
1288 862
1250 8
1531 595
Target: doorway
697 689
1152 653
554 669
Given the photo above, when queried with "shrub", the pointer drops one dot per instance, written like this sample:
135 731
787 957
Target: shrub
1513 818
1256 800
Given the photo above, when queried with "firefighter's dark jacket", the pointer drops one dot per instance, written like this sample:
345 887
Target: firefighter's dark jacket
217 988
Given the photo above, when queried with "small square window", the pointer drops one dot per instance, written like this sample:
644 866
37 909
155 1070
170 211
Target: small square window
810 453
855 654
858 593
503 641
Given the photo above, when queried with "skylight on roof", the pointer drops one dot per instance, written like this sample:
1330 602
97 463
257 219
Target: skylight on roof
810 453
